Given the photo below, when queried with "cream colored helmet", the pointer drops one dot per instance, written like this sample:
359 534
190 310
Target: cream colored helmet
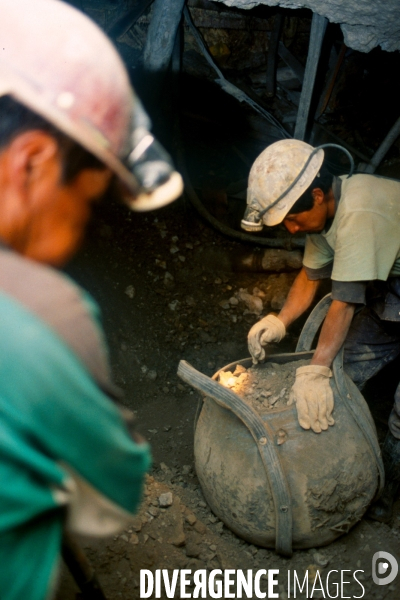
55 61
278 177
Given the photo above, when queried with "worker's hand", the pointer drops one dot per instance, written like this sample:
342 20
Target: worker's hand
269 329
313 396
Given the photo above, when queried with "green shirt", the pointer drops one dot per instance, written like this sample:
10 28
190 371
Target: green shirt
363 241
65 452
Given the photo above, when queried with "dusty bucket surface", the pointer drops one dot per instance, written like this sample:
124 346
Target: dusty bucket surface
275 484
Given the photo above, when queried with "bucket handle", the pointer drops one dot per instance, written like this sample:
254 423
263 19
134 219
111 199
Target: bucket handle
264 439
311 326
351 396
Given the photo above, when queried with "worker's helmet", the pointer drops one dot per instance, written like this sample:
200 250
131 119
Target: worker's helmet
55 61
276 181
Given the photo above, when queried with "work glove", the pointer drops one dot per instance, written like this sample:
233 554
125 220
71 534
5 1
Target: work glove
313 396
269 329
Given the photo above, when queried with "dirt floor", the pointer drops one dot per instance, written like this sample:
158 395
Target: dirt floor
164 283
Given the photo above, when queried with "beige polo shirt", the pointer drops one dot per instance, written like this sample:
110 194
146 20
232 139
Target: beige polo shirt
363 241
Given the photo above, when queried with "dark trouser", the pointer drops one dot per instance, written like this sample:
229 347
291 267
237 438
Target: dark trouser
370 345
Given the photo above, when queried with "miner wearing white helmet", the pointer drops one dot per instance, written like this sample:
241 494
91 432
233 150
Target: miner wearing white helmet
352 225
70 126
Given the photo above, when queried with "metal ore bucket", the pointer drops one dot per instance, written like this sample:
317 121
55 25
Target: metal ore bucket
273 483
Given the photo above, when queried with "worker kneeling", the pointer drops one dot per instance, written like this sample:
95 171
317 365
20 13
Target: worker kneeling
352 225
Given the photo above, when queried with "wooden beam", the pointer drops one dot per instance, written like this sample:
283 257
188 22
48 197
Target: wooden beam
161 34
318 27
272 56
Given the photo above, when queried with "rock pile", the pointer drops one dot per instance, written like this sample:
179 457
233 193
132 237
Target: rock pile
264 386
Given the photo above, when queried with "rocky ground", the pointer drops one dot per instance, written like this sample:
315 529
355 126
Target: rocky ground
186 535
168 291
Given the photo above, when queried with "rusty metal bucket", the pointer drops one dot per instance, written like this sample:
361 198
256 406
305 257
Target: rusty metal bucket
302 493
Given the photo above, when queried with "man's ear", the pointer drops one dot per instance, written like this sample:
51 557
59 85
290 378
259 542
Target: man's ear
29 166
318 196
32 157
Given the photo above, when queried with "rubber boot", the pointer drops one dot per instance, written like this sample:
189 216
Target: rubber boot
382 509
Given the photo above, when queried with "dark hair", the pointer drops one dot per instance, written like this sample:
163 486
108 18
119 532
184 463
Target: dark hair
16 118
323 180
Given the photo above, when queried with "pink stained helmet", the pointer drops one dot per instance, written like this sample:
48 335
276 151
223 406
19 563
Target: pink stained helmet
57 62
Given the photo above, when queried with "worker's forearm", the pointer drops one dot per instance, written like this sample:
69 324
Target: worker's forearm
333 332
300 298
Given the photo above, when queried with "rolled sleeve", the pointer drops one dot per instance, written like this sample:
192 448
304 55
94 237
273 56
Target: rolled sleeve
321 273
349 291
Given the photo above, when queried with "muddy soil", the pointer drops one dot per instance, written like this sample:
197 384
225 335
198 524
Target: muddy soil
164 285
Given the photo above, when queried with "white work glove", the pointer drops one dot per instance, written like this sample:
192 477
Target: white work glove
269 329
313 397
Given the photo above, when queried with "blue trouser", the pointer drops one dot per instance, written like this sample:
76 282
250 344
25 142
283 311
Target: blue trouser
371 344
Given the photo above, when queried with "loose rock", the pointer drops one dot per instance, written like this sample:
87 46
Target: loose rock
200 527
192 550
320 559
134 539
130 291
169 281
254 303
165 500
191 518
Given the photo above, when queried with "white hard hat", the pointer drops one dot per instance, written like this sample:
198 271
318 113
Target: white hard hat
55 61
274 183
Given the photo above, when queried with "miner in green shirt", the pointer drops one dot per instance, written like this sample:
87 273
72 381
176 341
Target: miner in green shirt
353 238
70 128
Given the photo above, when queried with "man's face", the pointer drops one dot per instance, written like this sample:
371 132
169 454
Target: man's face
58 224
310 221
44 218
